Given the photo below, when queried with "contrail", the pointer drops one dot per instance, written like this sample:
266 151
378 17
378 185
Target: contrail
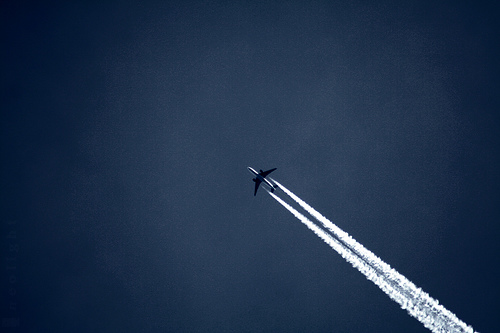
418 303
347 254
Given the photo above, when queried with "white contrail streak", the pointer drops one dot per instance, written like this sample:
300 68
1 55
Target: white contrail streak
418 303
347 254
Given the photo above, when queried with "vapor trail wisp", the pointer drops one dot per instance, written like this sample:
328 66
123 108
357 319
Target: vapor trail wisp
370 273
418 303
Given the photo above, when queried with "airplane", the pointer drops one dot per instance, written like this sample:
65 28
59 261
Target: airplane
261 177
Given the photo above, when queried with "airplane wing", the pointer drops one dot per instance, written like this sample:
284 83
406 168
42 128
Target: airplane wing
257 183
265 173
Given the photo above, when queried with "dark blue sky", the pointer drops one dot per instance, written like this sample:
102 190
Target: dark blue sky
126 133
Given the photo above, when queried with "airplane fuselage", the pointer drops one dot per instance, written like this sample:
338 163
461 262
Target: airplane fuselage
262 179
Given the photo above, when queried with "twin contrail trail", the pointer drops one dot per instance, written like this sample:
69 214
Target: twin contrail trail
411 298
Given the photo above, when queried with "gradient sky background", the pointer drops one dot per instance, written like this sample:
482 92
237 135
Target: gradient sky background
127 129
